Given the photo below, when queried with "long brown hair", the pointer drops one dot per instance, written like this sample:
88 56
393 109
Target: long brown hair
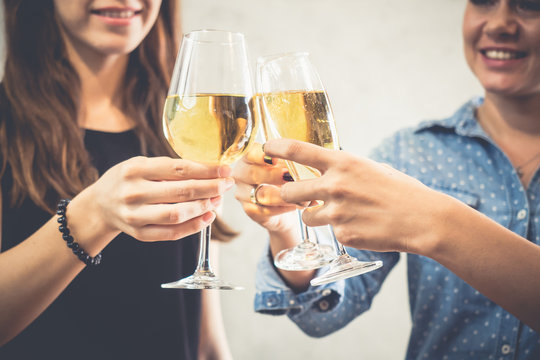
40 139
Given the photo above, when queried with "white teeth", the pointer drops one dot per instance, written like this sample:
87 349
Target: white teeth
124 14
501 55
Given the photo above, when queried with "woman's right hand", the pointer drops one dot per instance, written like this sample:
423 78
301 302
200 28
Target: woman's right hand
271 211
160 198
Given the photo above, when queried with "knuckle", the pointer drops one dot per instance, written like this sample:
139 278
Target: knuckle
181 169
175 216
130 167
335 188
187 191
292 149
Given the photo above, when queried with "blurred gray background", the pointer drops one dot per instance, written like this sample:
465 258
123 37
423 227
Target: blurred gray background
386 64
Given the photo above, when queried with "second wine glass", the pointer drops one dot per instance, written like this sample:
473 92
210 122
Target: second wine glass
293 104
207 118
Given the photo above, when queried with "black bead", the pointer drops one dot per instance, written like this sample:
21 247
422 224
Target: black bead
70 242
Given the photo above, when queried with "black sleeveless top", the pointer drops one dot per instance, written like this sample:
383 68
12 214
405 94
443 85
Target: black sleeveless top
116 310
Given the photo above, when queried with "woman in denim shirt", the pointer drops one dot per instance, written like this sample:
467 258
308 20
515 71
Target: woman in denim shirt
459 195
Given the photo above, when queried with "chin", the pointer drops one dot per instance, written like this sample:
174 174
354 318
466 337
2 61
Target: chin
118 48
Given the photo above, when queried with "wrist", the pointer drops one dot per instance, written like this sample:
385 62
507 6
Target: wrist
87 225
436 225
286 235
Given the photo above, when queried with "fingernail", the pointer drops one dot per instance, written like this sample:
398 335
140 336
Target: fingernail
224 171
216 200
268 159
263 146
209 217
228 183
287 176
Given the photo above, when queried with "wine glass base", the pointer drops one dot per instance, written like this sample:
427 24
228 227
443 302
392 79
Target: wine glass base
345 267
200 282
305 256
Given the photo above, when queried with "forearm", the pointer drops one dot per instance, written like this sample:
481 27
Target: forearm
37 270
500 264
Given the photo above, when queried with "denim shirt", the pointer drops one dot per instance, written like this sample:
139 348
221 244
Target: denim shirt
450 319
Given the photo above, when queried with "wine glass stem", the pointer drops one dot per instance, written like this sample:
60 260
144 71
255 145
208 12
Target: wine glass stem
340 249
204 251
305 233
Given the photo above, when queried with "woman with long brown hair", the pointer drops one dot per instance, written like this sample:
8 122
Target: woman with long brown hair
80 110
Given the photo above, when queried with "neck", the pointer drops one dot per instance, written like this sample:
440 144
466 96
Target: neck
101 78
514 125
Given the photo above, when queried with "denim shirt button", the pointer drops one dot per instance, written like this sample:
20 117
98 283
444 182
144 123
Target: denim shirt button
505 349
271 301
324 305
521 214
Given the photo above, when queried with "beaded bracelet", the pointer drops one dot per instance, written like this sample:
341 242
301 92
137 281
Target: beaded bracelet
73 245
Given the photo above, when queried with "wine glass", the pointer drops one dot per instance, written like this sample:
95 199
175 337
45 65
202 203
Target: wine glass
293 104
308 254
207 118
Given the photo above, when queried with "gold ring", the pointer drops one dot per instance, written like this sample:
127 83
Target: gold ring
253 195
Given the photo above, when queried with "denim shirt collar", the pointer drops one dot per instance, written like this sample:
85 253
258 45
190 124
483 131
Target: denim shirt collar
463 122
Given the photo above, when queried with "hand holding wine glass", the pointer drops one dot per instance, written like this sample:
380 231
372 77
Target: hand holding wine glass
293 104
207 118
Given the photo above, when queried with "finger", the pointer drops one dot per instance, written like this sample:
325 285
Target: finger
258 174
266 211
267 195
165 168
316 216
303 191
257 156
300 152
177 231
170 214
156 192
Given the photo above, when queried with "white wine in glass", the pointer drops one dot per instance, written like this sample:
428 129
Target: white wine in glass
207 118
293 104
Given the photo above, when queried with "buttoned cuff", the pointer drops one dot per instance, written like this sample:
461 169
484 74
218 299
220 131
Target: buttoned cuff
274 297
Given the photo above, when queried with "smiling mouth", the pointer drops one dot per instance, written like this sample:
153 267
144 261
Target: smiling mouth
503 54
116 13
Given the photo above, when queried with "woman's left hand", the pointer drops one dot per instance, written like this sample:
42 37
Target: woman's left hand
370 205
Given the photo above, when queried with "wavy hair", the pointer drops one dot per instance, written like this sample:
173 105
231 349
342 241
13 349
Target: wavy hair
40 139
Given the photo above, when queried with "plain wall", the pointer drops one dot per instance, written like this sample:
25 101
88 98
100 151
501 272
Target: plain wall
386 64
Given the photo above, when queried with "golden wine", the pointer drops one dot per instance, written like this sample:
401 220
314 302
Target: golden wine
209 128
300 115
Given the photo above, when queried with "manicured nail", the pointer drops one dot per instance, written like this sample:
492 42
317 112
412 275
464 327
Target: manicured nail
268 159
287 176
263 146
